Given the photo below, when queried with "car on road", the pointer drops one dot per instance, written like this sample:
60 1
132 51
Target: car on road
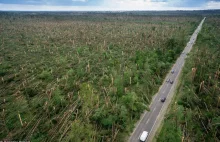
163 99
171 82
168 80
172 71
143 136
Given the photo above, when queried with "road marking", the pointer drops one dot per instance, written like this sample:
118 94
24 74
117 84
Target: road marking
162 105
139 136
138 125
152 103
170 90
147 120
154 98
165 88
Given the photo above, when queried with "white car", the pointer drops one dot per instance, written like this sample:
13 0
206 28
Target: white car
143 136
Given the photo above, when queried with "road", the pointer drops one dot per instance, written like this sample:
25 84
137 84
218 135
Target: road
149 119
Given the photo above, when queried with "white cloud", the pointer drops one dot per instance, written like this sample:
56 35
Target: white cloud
144 5
33 2
213 5
19 7
79 0
107 5
134 4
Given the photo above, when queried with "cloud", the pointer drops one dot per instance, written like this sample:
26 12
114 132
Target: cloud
20 7
52 2
33 2
187 3
134 4
112 5
79 0
213 4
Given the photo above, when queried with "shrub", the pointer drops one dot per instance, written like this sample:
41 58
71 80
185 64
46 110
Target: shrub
45 75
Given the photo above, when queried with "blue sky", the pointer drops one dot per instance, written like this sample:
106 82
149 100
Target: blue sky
93 5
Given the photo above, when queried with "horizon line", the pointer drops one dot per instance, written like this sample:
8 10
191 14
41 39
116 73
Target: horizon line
105 10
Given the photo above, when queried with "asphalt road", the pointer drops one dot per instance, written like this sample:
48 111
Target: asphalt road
148 119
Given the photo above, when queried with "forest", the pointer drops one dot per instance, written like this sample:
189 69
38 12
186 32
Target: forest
194 114
65 77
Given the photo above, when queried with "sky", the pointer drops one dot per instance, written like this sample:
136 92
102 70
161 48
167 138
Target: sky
107 5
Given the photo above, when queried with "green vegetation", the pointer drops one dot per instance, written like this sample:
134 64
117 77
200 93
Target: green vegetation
195 112
83 78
